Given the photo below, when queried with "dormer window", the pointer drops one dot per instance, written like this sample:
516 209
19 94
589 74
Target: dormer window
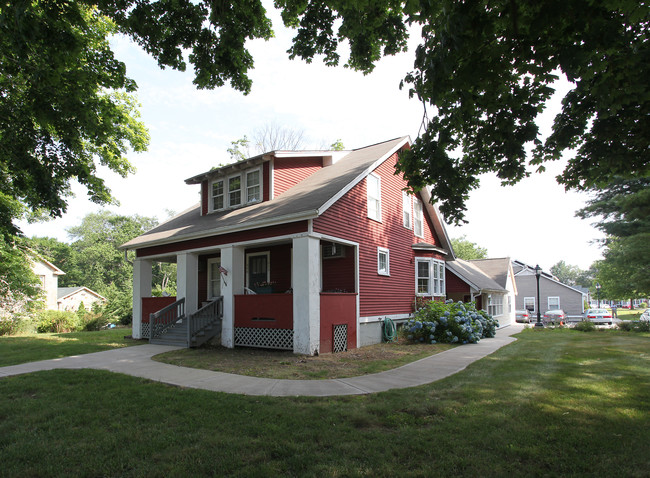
234 191
237 190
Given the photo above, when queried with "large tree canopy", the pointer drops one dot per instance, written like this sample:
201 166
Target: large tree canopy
484 72
64 106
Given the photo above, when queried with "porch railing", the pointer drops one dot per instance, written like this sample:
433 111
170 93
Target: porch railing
166 318
203 319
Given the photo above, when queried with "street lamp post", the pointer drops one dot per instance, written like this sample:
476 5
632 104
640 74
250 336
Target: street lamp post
598 293
538 272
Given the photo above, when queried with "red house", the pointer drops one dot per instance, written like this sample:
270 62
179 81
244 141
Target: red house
301 250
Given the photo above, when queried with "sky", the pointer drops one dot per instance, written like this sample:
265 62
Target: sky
192 129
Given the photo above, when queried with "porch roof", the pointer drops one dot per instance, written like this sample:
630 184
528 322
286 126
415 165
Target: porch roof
473 276
306 200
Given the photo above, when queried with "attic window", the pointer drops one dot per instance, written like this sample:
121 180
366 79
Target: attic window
374 197
418 219
217 195
234 190
237 190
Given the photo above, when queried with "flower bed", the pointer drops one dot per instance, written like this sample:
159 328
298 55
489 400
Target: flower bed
450 322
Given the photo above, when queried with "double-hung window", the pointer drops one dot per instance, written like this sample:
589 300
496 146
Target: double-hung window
253 186
553 303
529 304
418 218
234 191
383 261
374 197
429 277
495 305
406 209
217 195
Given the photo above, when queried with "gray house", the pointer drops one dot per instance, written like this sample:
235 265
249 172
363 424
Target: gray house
553 294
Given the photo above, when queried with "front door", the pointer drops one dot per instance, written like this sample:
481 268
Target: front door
258 270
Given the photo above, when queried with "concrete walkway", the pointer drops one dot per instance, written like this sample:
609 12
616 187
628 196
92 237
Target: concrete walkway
136 361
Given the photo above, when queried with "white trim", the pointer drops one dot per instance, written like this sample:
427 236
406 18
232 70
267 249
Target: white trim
380 251
213 260
548 303
375 211
363 174
416 202
379 318
436 277
407 203
534 303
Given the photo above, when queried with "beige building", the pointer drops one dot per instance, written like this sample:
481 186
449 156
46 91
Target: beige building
49 274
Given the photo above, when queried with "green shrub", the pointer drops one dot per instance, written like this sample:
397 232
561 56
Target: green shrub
585 326
57 321
450 322
634 326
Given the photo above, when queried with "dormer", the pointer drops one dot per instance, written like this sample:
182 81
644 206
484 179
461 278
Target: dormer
258 179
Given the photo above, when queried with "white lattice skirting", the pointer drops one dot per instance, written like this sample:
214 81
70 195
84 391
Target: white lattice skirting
281 339
144 330
340 338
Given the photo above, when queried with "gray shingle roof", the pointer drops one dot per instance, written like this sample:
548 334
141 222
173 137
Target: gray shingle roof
495 269
305 200
473 275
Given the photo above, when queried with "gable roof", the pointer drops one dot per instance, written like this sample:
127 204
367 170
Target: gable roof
65 292
522 268
305 200
55 270
496 269
471 274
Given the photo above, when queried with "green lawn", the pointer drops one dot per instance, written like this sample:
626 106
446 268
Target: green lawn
15 349
554 403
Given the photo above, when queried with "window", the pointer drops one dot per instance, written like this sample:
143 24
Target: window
214 278
253 186
495 305
258 270
406 209
429 277
418 220
383 261
234 191
553 303
529 304
374 197
217 195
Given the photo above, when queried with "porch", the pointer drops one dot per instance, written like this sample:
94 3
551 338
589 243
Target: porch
298 295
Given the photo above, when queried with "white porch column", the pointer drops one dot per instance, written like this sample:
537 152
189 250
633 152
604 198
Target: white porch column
142 274
187 280
232 259
306 295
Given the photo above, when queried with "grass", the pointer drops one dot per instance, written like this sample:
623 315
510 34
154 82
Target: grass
554 403
286 365
17 349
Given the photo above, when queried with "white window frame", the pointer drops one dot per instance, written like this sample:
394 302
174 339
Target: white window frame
222 195
436 286
258 186
548 302
528 299
418 218
495 305
407 210
374 202
385 271
211 279
244 190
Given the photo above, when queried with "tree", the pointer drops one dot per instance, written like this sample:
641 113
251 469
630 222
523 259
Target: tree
623 209
464 249
566 273
66 106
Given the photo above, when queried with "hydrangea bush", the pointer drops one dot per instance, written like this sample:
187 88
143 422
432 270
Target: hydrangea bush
450 322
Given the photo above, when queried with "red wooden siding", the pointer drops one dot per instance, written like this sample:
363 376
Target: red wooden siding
288 172
234 237
453 283
268 311
266 181
338 272
205 197
337 309
348 219
154 304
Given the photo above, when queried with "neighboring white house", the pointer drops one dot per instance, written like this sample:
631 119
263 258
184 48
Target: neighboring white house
70 298
49 274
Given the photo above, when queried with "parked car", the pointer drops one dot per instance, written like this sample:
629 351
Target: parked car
555 316
599 317
523 316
